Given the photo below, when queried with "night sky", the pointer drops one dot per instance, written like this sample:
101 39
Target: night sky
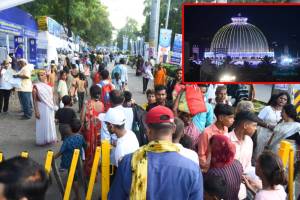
279 24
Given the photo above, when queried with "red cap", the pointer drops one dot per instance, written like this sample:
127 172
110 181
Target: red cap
159 114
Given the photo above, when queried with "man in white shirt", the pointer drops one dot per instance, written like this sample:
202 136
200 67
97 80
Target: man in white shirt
245 127
26 88
127 142
188 153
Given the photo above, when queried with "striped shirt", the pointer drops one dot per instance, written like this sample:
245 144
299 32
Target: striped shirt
232 174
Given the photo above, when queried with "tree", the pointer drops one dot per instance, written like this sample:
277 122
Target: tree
82 17
130 30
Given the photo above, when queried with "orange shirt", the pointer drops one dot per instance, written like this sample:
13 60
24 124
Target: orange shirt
160 77
203 142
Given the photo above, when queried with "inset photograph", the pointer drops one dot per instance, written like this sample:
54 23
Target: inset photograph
225 43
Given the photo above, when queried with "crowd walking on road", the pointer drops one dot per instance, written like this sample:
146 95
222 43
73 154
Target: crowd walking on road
184 142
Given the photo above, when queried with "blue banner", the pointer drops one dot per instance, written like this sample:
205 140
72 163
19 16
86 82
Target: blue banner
177 46
32 51
125 43
19 46
165 38
10 28
164 45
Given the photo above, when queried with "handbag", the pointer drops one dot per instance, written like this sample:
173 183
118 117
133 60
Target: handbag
192 100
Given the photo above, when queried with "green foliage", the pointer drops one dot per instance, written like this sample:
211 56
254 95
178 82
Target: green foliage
86 18
130 30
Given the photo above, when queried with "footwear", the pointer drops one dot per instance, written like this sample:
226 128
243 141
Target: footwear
24 118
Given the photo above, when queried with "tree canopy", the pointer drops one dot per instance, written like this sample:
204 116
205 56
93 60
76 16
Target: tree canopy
86 18
130 30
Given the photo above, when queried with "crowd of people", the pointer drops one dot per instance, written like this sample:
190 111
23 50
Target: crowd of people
160 150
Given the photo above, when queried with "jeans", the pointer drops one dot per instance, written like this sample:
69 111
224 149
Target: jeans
145 84
25 98
4 98
80 100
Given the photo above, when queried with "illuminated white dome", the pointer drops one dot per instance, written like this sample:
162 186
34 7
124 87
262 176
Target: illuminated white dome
239 39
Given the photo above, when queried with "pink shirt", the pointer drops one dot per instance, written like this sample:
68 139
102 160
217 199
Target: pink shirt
243 154
277 194
203 142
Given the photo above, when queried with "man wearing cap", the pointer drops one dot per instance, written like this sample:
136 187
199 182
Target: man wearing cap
157 170
127 141
245 127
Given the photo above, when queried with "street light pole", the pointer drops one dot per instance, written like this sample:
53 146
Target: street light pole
168 12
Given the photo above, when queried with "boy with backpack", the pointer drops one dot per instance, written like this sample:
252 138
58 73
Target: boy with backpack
106 87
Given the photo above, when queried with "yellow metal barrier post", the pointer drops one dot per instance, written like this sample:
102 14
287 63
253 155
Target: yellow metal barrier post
105 162
283 152
291 174
1 156
71 174
48 162
93 174
24 154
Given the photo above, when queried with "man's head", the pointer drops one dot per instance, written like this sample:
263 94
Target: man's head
214 187
224 114
160 123
116 97
150 93
179 74
221 93
114 120
122 61
160 94
22 179
177 135
66 100
75 125
127 98
22 62
63 75
247 122
104 74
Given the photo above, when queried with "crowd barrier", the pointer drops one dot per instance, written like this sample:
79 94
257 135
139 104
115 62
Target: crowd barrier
102 156
286 152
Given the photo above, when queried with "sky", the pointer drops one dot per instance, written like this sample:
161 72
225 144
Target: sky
120 9
279 24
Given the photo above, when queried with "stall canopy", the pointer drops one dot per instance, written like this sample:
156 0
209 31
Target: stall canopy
5 4
18 22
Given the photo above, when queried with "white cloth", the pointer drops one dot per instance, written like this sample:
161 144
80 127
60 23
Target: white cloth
277 194
45 126
269 116
188 153
282 131
147 72
126 144
5 77
124 74
62 88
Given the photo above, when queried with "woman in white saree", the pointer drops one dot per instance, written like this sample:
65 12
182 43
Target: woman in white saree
286 129
44 111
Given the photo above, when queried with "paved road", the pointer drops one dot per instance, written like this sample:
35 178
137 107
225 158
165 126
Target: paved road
19 135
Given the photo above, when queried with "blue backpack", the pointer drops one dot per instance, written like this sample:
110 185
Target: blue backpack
118 70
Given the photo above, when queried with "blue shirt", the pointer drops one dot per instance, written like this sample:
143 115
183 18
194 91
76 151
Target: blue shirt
70 143
170 176
203 120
